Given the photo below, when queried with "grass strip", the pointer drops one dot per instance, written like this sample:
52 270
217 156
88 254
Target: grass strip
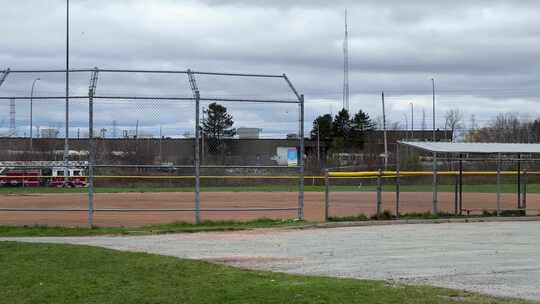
52 273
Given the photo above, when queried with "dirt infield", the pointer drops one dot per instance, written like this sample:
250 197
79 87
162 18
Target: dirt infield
342 204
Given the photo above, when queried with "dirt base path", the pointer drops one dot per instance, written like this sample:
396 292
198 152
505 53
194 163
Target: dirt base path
342 204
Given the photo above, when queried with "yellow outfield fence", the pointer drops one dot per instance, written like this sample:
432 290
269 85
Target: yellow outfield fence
142 177
433 201
364 174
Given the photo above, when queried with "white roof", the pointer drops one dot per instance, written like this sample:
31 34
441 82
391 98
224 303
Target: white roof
447 147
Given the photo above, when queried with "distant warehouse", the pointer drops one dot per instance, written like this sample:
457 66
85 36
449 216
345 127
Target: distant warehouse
249 133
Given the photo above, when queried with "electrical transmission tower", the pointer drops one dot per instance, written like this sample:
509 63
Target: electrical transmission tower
12 126
346 66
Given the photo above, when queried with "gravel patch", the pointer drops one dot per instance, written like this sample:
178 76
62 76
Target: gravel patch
494 258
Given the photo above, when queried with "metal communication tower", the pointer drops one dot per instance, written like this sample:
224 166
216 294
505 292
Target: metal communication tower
12 126
346 66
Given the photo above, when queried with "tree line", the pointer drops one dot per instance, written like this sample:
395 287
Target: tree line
506 128
342 131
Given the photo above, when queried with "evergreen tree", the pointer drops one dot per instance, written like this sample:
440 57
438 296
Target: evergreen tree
217 123
341 127
361 124
323 126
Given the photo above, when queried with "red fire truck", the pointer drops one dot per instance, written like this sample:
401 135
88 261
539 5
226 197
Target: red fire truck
49 177
74 178
24 178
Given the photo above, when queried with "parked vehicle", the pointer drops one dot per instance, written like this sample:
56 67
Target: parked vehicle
53 177
74 178
24 178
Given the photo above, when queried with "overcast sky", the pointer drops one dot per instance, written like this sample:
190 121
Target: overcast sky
482 54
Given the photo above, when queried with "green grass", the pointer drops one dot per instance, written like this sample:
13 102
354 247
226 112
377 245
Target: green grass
180 227
46 273
482 188
351 218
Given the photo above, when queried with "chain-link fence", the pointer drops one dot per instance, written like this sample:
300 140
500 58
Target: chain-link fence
458 184
140 146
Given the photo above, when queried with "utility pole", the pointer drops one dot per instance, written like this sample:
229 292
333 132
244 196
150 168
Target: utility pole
114 129
346 66
385 137
423 119
160 146
318 145
473 123
433 90
412 120
406 120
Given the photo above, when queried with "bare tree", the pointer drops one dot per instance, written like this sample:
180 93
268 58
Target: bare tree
505 128
394 125
453 120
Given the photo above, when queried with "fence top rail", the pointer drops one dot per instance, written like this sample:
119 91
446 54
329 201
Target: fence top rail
181 98
424 173
48 164
149 71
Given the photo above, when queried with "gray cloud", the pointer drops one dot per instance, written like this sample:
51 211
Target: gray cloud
483 54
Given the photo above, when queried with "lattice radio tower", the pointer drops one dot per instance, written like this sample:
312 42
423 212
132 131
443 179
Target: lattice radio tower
12 126
346 66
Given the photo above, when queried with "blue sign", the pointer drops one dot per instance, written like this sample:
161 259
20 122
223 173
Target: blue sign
292 157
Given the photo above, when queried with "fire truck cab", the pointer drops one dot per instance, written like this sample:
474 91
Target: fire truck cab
74 177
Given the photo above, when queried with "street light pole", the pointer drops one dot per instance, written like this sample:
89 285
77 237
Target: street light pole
433 88
384 134
32 114
318 145
66 139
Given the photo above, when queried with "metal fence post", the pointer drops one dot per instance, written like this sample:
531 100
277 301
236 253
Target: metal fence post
434 185
524 197
90 162
197 96
498 184
91 147
197 164
301 162
398 181
326 195
456 194
519 181
460 184
379 193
